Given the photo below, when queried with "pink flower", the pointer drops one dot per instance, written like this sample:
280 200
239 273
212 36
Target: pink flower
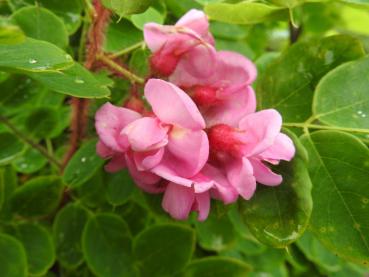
188 40
244 151
225 96
172 140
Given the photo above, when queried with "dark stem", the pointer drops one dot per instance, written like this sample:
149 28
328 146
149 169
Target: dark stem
295 32
99 17
29 141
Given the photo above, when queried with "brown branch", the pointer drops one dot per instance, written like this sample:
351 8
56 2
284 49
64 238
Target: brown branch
95 38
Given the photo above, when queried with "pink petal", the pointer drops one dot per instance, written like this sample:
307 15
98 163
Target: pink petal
200 61
202 205
165 170
222 190
172 105
202 183
232 109
146 180
264 175
178 200
240 174
189 150
235 69
195 20
109 122
282 149
261 130
148 160
146 134
104 151
156 35
116 163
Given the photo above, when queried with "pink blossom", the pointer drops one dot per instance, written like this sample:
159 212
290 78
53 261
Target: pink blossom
171 144
244 151
188 41
226 95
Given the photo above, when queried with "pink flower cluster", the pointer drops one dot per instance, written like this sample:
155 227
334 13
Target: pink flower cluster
202 137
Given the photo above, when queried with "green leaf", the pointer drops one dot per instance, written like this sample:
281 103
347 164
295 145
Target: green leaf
33 56
10 147
150 15
317 253
217 267
179 8
339 166
69 11
277 216
139 62
75 81
228 31
216 232
83 165
106 244
163 250
121 35
41 24
126 7
10 34
13 258
67 233
37 197
42 122
245 12
342 99
294 75
29 162
38 245
8 183
120 187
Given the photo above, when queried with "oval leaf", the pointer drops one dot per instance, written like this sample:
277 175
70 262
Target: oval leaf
245 12
106 245
37 197
42 24
339 166
76 81
83 165
302 65
342 98
33 56
217 267
10 147
13 260
173 246
38 245
67 232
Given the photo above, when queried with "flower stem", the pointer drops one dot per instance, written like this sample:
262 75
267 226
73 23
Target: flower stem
29 141
324 127
127 50
115 66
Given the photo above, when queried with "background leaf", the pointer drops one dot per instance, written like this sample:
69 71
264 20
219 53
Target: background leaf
163 250
339 168
13 257
342 99
106 245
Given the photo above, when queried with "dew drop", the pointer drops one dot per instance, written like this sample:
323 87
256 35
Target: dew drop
79 81
68 57
24 165
32 61
83 159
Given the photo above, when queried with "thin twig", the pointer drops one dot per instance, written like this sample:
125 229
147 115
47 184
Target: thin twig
115 66
126 50
29 141
324 127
